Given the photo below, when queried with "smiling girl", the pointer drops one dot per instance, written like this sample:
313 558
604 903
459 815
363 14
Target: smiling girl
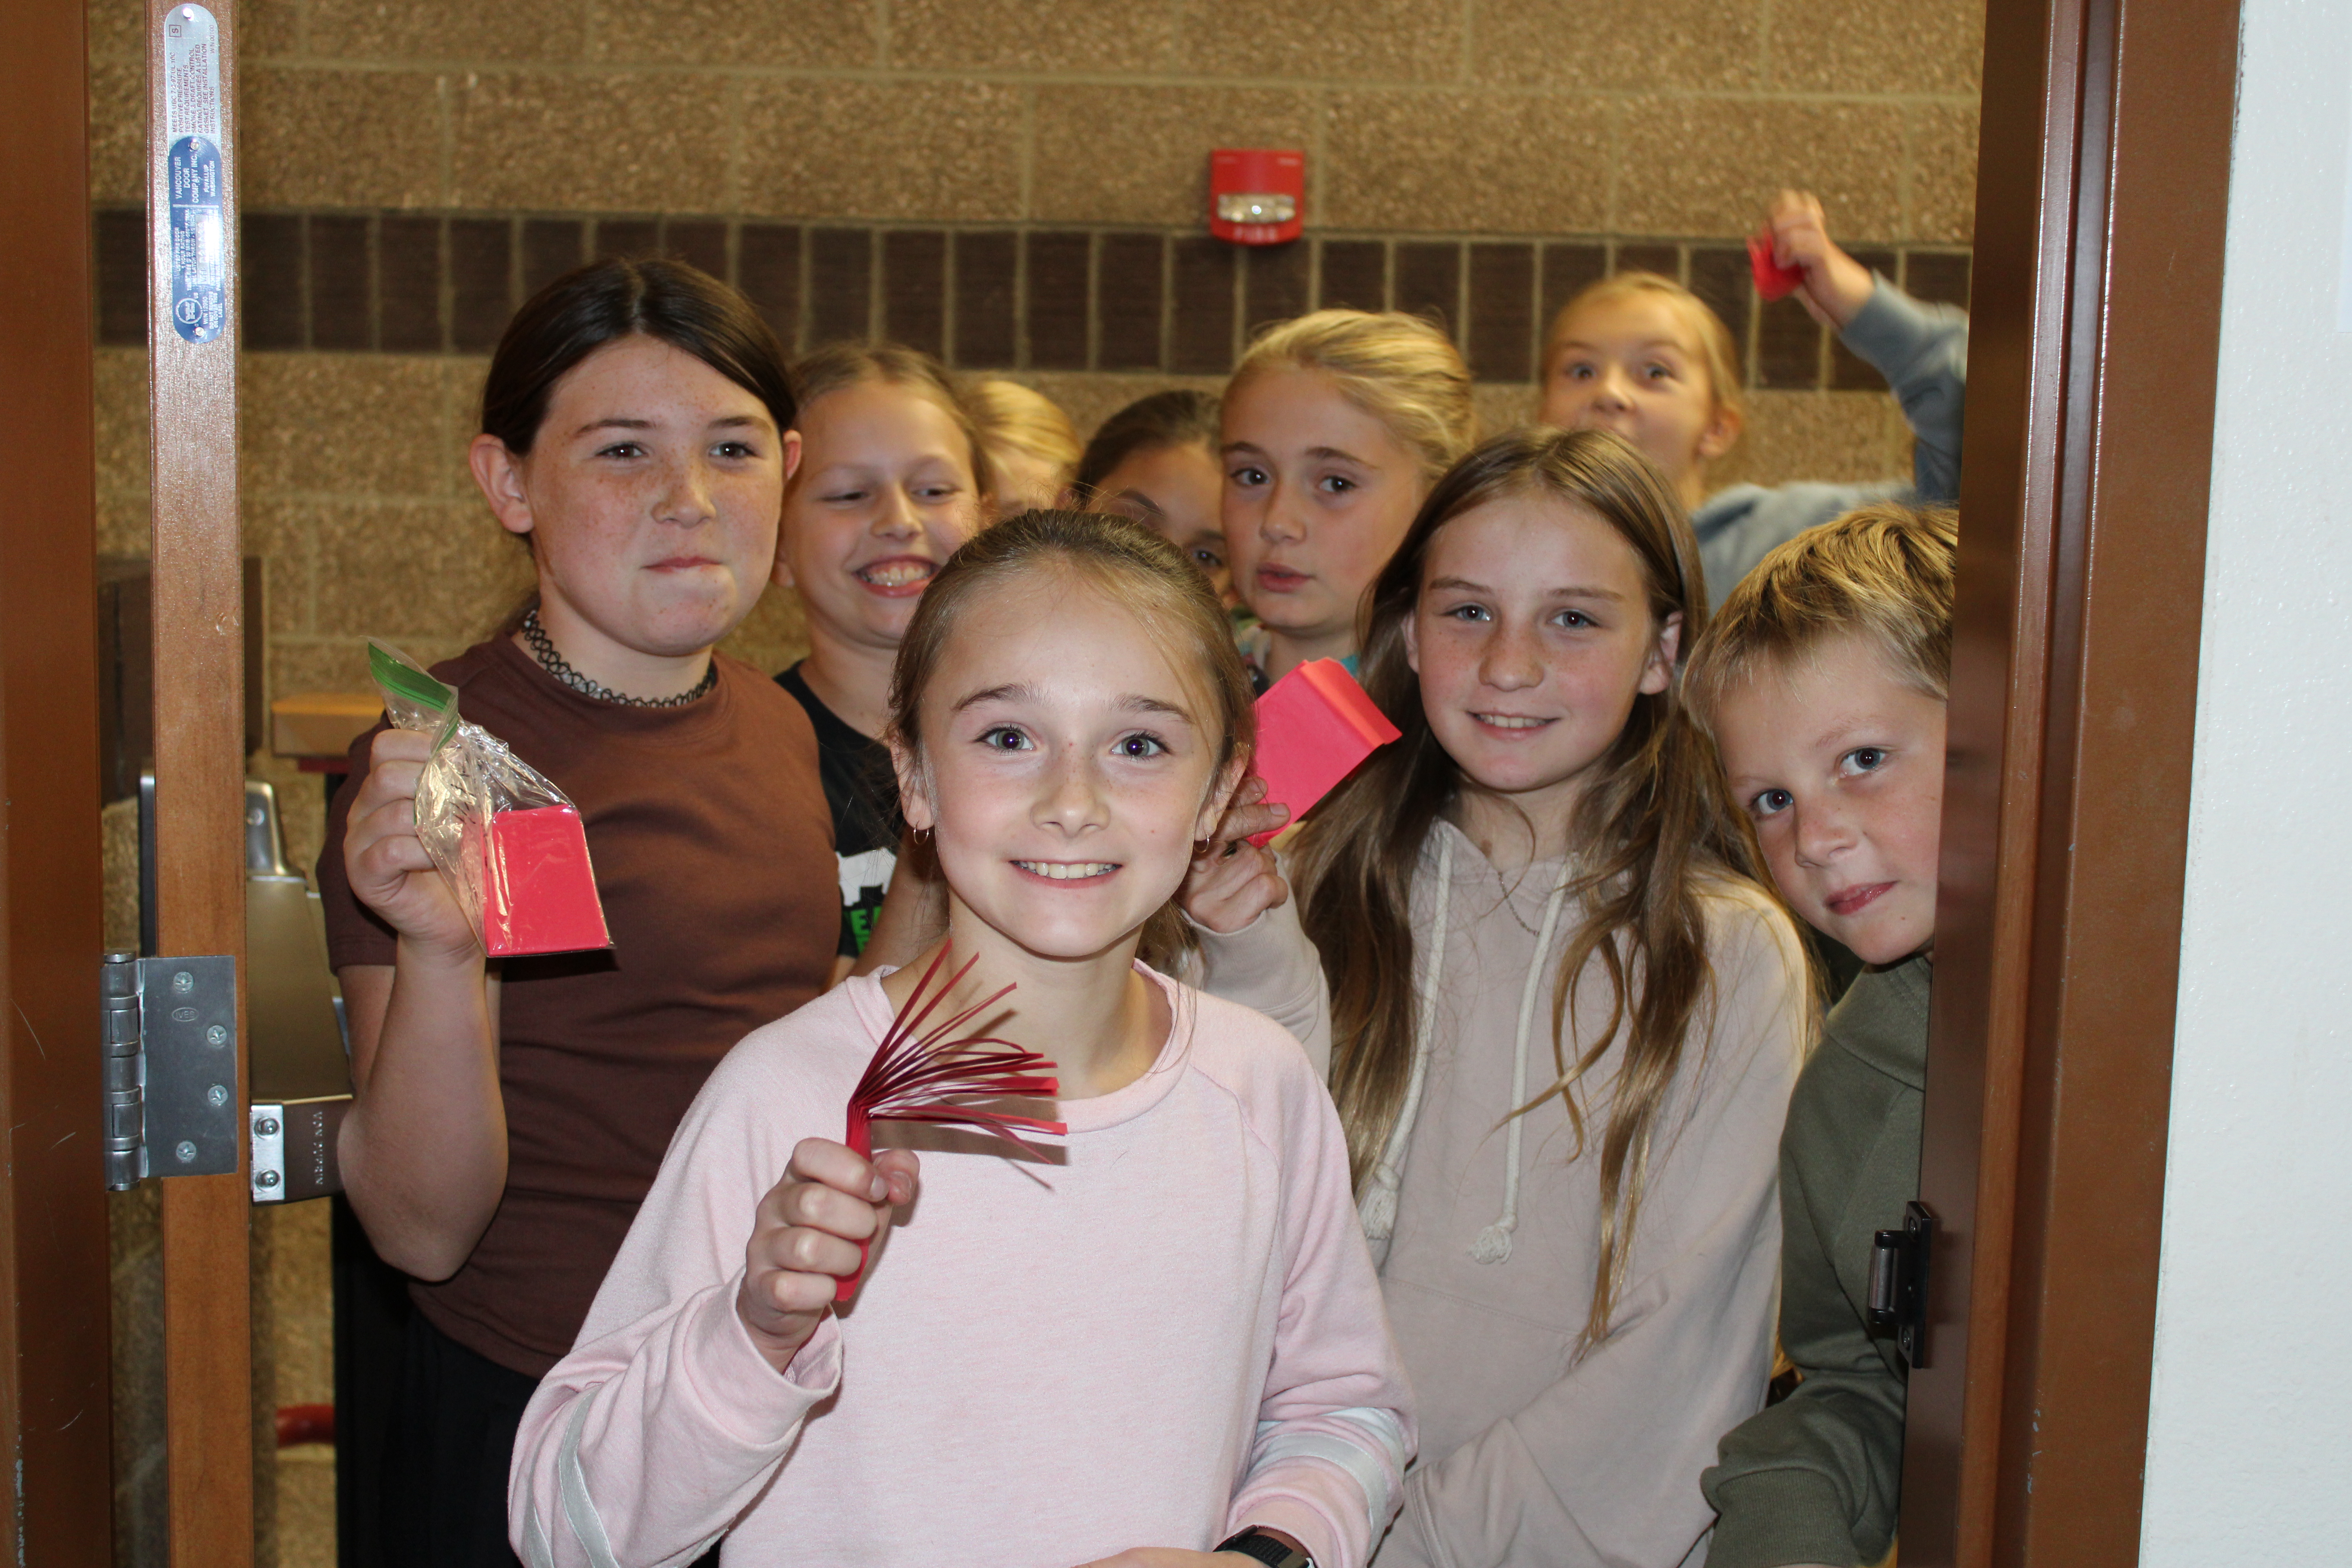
1335 426
1162 1341
1577 1242
506 1118
891 480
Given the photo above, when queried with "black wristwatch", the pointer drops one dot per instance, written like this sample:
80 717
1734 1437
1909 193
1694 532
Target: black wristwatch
1255 1542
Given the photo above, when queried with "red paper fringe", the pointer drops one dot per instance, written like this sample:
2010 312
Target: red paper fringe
929 1076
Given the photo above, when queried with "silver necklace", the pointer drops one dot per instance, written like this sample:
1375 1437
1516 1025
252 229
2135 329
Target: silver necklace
1509 888
542 648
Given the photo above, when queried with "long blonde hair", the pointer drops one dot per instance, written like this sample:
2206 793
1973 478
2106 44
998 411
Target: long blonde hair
1399 368
1652 833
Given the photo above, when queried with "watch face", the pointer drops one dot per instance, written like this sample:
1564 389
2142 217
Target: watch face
1266 1549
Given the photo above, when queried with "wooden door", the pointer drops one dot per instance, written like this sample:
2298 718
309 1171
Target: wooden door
198 597
55 1419
2102 179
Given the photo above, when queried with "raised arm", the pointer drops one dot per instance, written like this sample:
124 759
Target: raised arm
424 1148
1921 350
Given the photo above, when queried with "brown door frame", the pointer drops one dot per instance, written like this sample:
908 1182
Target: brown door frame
2103 184
55 1419
198 596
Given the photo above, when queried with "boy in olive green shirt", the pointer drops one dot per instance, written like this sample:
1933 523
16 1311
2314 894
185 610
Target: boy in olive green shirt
1824 680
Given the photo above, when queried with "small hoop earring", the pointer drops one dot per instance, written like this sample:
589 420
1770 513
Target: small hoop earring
922 837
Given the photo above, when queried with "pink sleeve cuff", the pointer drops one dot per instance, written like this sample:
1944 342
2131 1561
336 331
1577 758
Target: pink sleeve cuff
743 1395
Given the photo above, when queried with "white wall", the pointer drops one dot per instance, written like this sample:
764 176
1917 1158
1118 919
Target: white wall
2250 1446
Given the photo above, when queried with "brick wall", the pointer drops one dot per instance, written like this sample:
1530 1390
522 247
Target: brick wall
1015 184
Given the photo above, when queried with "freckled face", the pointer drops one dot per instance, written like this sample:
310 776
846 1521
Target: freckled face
1842 766
1175 492
884 496
1318 497
651 492
1533 636
1066 768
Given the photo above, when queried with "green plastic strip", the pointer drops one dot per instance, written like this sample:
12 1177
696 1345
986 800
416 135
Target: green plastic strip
390 670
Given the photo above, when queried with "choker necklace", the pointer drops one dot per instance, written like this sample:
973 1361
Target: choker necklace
542 648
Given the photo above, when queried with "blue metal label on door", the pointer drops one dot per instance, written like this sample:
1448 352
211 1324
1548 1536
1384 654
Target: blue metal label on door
198 244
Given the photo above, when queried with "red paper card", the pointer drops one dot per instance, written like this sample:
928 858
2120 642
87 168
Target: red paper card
1773 281
1314 728
539 893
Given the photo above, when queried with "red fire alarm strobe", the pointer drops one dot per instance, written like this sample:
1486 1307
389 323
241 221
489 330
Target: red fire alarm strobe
1257 196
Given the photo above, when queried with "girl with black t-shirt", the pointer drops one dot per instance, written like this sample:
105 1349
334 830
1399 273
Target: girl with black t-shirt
892 479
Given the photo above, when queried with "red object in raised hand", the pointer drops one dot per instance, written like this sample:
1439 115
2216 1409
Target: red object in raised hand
539 893
1315 727
1773 281
930 1077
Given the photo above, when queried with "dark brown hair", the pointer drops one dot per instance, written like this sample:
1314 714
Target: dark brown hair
1176 417
603 303
590 306
1133 565
1650 832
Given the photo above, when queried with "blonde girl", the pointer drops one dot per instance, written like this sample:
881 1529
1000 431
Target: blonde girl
892 479
1162 1341
1644 356
1335 426
1564 1014
1033 447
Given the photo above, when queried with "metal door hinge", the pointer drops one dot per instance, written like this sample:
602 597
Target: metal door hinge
1898 1281
169 1030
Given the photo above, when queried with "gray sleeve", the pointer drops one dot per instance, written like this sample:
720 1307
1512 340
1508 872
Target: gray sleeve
1729 550
1922 351
1269 964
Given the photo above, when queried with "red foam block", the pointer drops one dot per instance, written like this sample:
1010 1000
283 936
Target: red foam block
1773 281
1315 727
539 893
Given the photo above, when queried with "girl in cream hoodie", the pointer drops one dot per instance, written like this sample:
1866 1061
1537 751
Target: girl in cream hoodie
1564 1014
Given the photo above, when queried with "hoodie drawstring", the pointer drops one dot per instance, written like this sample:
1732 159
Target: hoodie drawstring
1379 1209
1380 1205
1493 1245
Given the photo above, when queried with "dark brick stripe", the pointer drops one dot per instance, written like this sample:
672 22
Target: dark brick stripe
1002 298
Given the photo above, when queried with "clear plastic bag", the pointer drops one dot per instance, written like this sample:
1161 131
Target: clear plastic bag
509 844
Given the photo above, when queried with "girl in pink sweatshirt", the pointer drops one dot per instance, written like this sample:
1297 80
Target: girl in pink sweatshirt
1163 1338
